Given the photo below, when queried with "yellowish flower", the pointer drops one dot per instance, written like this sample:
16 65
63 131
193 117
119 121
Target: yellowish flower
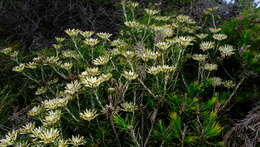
55 103
77 140
199 57
162 18
104 36
41 90
46 135
70 54
207 45
228 84
73 87
130 75
132 4
66 66
91 41
19 68
210 67
202 36
27 128
31 65
36 110
62 143
52 118
220 37
129 106
89 114
149 55
185 19
93 82
101 60
185 40
6 51
226 50
133 24
72 32
86 34
9 139
119 43
151 11
215 30
163 45
128 54
154 70
90 72
59 39
216 81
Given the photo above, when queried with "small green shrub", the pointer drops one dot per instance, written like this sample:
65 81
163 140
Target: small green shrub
132 91
244 29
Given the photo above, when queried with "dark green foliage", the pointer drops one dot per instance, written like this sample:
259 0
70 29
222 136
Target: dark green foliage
244 29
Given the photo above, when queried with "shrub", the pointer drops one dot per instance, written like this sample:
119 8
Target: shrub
156 83
244 29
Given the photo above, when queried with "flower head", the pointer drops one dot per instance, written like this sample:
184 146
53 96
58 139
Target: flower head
66 66
101 60
220 37
72 32
31 65
130 75
199 57
216 81
185 40
46 135
9 139
93 82
55 103
163 45
207 45
36 110
91 41
210 67
89 114
27 128
132 4
215 30
86 34
128 54
19 68
129 106
185 19
228 84
226 50
77 140
202 36
133 24
41 90
149 55
52 118
73 87
151 11
104 36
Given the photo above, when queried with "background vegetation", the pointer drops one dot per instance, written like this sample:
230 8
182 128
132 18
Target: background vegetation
31 26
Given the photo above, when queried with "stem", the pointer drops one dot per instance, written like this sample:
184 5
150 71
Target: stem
124 9
97 98
59 73
76 46
213 20
73 116
78 102
146 88
115 132
233 93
